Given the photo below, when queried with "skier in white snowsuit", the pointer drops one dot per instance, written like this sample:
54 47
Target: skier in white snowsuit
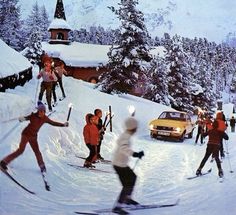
120 163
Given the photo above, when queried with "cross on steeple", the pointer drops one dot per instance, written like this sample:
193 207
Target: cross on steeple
60 12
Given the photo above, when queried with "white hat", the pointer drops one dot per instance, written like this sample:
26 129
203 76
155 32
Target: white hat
131 123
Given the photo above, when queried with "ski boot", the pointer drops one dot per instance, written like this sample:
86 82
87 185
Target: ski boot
131 202
42 168
3 165
221 174
119 210
198 172
88 164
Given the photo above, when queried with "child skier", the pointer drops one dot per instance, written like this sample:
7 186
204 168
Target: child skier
91 138
29 134
120 164
213 147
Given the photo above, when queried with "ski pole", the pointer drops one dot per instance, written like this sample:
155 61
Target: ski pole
109 121
136 163
36 92
228 158
68 116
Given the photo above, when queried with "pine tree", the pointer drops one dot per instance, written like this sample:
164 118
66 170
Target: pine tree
44 23
34 46
129 59
10 23
157 86
179 76
34 35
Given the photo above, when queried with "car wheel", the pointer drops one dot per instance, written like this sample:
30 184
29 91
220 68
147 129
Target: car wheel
181 139
190 135
152 135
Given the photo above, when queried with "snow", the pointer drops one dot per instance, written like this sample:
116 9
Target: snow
59 24
85 55
161 173
11 61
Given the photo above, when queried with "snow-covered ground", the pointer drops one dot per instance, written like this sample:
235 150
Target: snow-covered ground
161 173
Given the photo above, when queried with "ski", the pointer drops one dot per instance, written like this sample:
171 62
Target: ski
14 180
86 213
98 161
197 176
130 208
85 168
47 186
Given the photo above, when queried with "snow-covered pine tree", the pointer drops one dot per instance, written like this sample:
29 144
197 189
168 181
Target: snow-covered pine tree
129 58
34 32
179 76
157 85
10 23
33 20
44 23
34 46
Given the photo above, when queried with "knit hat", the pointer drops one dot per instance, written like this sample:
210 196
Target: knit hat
131 123
41 107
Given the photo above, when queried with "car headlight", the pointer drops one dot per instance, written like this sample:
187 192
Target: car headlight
177 129
151 127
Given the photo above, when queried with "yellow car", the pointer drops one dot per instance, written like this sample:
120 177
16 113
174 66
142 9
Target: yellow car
172 124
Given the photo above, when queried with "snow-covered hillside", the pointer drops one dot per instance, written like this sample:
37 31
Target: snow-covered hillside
210 19
161 173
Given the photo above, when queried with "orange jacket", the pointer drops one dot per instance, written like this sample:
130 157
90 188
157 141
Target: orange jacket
91 133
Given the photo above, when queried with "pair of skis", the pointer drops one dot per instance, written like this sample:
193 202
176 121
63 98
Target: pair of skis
221 179
90 168
47 187
130 208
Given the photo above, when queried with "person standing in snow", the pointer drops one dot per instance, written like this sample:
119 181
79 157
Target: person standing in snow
48 77
29 134
200 129
59 71
213 146
91 138
101 129
232 124
120 163
222 126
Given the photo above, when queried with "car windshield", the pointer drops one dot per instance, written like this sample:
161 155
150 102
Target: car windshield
173 116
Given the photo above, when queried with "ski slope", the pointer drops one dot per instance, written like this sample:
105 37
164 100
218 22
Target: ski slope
161 173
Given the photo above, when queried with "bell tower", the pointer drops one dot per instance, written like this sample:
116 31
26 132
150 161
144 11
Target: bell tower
59 28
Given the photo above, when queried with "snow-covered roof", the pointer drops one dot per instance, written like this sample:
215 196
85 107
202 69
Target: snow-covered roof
83 54
78 54
11 61
59 24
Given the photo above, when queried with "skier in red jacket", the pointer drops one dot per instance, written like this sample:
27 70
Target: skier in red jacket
29 134
213 146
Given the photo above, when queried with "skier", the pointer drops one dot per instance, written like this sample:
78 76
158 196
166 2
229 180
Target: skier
29 134
220 117
91 138
59 71
213 147
200 129
101 129
120 163
232 124
48 77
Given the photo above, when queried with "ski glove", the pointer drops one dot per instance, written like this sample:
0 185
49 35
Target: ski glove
138 154
21 119
66 124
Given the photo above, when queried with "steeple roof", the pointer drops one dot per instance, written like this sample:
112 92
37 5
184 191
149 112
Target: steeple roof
60 12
